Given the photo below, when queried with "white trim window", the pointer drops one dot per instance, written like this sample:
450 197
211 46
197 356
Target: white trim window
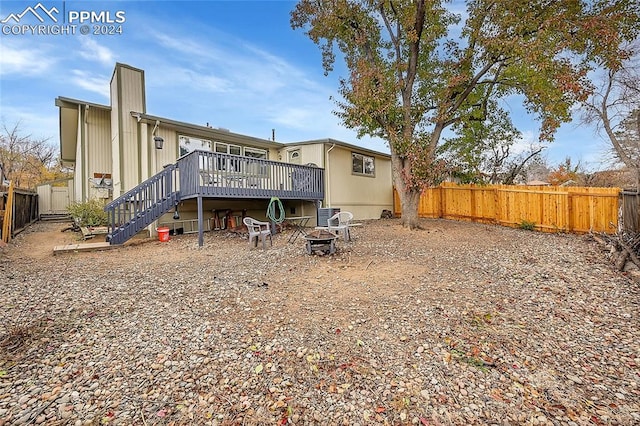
189 144
294 156
362 164
256 168
228 164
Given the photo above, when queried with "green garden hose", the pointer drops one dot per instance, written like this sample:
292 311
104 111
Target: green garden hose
271 210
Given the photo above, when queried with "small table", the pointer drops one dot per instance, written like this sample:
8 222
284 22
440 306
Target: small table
298 223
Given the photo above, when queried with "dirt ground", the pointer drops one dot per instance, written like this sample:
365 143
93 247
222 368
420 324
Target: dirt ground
456 324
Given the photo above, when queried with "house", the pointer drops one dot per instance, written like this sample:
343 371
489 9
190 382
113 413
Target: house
153 170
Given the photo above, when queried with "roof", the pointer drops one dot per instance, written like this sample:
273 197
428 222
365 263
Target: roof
69 112
330 141
205 131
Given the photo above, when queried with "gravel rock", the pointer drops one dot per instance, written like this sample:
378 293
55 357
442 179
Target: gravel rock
457 324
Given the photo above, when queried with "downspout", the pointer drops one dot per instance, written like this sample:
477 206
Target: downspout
85 151
326 168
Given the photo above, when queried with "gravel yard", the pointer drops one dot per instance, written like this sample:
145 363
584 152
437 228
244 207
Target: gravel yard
458 324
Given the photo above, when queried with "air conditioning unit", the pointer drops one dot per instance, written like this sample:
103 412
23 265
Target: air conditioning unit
325 213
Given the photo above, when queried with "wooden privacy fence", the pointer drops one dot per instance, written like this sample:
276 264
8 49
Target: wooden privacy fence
549 208
19 208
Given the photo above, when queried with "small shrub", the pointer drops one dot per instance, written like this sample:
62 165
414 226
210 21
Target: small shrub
90 213
527 225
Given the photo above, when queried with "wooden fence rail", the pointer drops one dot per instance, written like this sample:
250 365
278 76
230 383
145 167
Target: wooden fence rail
550 208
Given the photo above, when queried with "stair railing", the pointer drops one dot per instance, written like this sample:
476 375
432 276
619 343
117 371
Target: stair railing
142 205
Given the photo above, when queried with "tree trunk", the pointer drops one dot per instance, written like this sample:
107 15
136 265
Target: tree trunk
409 197
409 202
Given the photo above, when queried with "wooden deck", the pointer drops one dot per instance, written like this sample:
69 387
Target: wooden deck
203 174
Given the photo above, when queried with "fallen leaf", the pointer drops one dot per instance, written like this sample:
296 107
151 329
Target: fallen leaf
258 368
162 413
380 410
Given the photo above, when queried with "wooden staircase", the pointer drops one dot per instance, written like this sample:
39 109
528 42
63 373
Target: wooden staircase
139 207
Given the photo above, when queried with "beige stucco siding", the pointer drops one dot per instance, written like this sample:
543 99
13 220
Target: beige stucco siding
273 154
364 196
313 154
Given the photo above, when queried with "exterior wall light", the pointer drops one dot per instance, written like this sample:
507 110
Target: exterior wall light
159 141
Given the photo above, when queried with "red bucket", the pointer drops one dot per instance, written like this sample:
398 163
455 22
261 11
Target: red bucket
163 233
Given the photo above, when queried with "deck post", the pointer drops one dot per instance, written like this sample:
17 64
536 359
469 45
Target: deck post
200 224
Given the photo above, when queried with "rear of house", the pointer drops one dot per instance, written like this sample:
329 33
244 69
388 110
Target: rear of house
115 148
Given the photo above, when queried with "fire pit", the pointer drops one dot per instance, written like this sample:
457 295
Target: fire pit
321 240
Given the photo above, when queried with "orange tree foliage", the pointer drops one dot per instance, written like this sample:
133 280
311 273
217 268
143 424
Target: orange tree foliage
27 161
417 68
564 173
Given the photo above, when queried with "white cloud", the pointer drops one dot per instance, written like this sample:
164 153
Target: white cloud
91 82
93 51
254 90
528 141
25 61
181 80
40 125
188 47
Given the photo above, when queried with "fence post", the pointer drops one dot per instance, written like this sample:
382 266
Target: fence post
569 212
496 206
8 215
443 202
472 201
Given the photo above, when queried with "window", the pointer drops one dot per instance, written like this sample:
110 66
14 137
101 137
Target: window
256 168
363 164
294 157
226 163
189 144
255 153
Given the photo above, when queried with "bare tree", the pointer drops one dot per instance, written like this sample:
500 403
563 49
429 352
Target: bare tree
25 160
516 167
614 108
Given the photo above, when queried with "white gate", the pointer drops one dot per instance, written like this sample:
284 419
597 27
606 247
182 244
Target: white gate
55 199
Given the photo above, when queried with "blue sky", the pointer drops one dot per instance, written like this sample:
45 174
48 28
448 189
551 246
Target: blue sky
232 64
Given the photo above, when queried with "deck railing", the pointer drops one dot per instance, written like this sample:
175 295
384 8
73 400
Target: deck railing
210 174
